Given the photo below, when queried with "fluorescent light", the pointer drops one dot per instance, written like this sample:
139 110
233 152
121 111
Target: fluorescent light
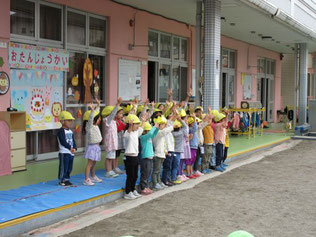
12 13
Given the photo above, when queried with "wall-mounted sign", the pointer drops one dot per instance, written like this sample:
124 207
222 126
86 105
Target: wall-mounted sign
4 83
40 95
42 58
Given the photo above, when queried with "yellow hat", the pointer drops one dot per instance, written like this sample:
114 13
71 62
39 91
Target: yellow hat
132 117
157 105
177 124
199 107
190 120
219 117
87 114
127 108
157 110
214 112
107 110
198 120
140 108
183 113
160 120
147 126
65 115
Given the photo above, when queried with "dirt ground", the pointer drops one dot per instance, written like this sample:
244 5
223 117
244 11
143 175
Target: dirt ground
272 197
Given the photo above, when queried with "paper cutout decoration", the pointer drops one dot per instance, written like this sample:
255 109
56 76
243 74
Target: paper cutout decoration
77 95
77 129
87 80
75 80
96 73
96 89
4 83
79 113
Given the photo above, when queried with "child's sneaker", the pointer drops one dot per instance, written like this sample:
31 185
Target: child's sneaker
157 186
223 167
169 184
198 173
180 178
207 171
176 181
61 183
129 196
144 192
88 182
118 171
96 179
136 194
68 183
220 169
185 178
163 185
111 174
191 176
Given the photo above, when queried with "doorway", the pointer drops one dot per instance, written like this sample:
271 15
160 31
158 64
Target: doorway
152 78
227 89
265 94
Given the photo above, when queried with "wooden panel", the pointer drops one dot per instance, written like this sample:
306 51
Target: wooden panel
18 159
18 140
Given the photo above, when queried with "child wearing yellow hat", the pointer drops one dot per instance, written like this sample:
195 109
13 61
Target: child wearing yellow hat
161 149
91 124
220 136
131 141
147 155
67 148
111 141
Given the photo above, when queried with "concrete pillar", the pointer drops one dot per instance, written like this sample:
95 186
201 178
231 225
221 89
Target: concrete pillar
198 52
212 50
303 83
314 76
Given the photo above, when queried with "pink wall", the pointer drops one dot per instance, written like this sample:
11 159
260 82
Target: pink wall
247 55
5 37
120 35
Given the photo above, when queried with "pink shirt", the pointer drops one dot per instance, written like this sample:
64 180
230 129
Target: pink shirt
220 133
110 136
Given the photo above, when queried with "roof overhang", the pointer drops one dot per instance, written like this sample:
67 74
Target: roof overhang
244 20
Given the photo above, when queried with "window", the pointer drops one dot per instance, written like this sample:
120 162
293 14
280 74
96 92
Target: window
153 44
184 50
165 46
97 32
22 18
164 76
50 23
76 28
176 48
231 59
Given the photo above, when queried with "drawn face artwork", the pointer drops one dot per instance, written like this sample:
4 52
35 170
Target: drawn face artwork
56 109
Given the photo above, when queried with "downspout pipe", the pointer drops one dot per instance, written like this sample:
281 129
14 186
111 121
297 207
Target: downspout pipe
280 15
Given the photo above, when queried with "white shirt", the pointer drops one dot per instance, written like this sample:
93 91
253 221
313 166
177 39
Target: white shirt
131 142
170 139
160 142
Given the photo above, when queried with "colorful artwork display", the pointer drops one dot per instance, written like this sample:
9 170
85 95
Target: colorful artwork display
39 93
40 58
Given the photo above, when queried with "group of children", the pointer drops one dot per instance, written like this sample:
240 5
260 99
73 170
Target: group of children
170 142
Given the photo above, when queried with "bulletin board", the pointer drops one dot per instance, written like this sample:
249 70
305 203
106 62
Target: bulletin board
247 86
40 95
129 79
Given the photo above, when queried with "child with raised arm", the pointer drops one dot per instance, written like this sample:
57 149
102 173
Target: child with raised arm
92 120
111 137
131 141
220 136
147 155
67 148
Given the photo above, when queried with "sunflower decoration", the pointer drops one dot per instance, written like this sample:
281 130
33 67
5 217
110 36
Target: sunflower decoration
87 80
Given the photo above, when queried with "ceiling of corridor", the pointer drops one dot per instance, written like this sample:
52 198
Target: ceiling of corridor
241 22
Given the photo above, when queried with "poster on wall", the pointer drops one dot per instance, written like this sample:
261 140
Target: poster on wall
40 58
247 86
40 94
129 85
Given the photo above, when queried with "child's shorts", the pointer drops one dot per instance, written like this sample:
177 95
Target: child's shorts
110 155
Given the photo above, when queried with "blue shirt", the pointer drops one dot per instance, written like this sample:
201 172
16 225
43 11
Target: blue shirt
147 150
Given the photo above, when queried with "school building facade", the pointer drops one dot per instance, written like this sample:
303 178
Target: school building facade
228 51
